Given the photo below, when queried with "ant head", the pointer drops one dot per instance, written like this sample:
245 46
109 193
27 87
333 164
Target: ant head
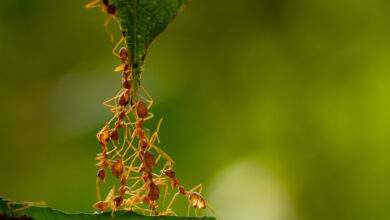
169 172
101 206
123 53
101 174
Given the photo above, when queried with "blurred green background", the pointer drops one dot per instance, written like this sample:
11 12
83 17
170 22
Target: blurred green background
279 107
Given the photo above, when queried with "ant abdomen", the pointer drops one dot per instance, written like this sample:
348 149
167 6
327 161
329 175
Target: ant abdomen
148 159
126 84
120 117
114 135
125 98
118 201
142 110
197 200
117 168
154 191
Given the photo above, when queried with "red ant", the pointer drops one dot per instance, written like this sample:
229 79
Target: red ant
107 8
195 199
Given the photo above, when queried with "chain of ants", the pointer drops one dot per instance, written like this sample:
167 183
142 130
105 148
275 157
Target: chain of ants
130 112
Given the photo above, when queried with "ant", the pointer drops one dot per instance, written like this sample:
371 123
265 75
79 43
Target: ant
107 203
106 8
195 199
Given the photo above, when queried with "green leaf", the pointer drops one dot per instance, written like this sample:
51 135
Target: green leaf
36 212
142 21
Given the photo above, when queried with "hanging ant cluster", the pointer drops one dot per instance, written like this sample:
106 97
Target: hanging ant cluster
130 153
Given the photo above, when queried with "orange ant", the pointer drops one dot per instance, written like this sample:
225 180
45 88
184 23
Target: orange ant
107 203
107 8
195 199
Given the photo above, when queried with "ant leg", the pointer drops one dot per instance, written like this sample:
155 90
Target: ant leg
109 152
134 155
150 99
211 209
25 206
118 152
109 32
116 47
131 165
128 148
188 208
172 200
107 103
141 209
93 4
124 138
200 187
158 158
98 195
118 22
163 154
165 194
110 194
151 115
124 154
120 68
135 184
155 134
168 213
